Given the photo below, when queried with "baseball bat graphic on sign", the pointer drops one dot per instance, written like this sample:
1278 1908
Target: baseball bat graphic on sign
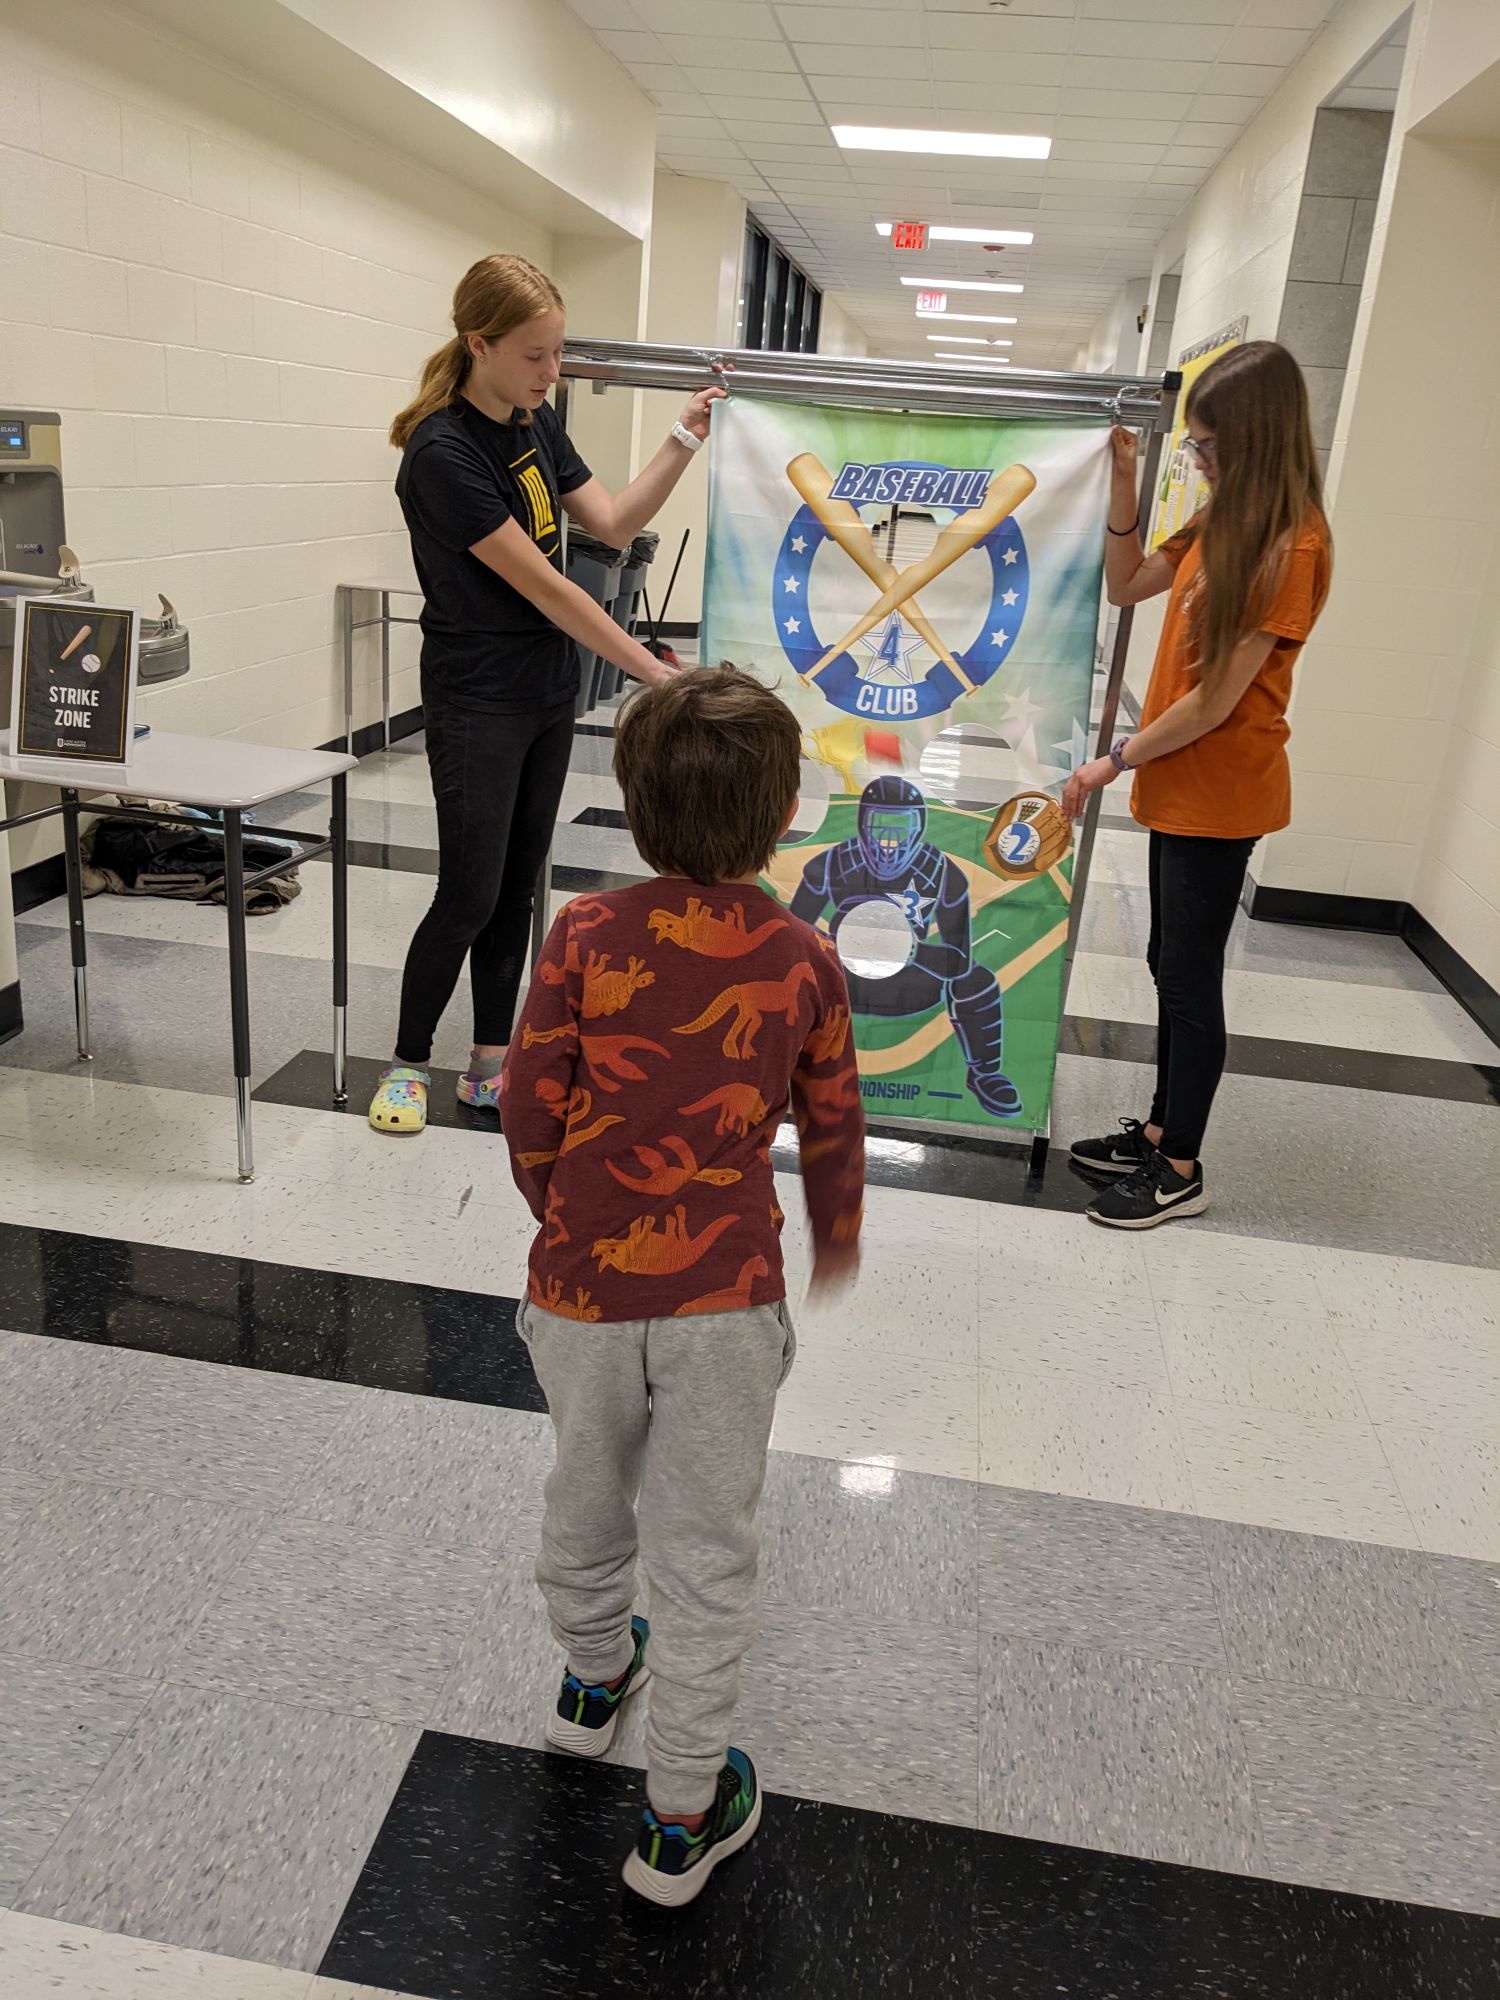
1007 490
844 526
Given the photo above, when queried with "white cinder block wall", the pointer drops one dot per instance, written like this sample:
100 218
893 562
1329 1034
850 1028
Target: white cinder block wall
227 296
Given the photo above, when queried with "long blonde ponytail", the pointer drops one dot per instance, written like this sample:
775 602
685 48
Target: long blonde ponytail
494 297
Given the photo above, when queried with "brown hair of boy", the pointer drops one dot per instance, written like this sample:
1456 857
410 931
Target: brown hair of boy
709 763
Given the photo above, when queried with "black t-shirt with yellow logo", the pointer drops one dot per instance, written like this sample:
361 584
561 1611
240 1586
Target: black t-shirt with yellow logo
484 645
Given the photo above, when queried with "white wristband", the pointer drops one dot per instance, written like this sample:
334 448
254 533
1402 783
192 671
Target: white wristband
684 436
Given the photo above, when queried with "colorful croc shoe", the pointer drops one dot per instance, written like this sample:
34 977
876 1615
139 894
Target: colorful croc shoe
400 1103
480 1093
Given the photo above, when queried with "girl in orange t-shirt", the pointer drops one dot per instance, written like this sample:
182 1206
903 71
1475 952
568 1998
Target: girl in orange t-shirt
1248 577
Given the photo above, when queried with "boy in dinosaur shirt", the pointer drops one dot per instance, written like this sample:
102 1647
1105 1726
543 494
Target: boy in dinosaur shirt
669 1028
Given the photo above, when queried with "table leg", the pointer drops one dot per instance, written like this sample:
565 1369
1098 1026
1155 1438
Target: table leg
346 626
239 983
339 829
385 666
73 864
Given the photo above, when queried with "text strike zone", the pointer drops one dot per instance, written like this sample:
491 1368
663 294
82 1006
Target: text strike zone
77 715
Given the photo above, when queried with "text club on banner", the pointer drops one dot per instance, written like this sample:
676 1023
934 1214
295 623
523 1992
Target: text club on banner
898 578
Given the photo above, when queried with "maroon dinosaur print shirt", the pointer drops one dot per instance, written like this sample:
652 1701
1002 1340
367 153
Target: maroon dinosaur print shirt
667 1029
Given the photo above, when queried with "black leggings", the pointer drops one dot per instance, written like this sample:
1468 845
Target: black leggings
498 782
1195 890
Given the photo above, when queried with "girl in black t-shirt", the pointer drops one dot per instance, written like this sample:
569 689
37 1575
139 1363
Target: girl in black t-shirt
486 472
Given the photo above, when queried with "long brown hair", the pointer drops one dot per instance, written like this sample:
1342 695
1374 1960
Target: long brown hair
1254 400
494 297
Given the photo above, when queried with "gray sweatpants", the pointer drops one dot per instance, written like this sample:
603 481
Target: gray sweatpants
662 1431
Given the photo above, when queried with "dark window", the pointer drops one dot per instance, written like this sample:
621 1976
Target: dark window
780 306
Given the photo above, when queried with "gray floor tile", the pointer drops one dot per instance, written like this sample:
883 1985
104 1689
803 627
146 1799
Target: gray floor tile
1337 1614
113 1579
869 1541
1087 1573
1470 1593
1109 1751
59 1727
1379 1798
505 1673
231 1435
461 1475
912 1749
337 1620
227 1825
55 1393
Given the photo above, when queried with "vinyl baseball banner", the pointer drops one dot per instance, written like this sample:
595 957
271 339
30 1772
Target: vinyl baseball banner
899 579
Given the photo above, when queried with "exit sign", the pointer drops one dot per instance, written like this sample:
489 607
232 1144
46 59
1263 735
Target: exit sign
909 236
932 302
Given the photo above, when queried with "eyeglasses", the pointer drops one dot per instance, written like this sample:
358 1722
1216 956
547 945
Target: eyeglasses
1205 450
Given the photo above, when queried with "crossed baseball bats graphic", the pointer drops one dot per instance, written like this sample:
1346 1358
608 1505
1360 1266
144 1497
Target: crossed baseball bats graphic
899 589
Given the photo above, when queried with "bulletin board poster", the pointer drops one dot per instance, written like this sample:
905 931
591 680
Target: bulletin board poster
73 690
1183 488
898 578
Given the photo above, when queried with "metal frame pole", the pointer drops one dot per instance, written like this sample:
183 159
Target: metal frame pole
338 828
385 666
239 983
346 624
73 866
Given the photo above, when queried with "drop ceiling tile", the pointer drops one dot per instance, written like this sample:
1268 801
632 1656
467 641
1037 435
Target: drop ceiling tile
1000 99
1219 13
1139 104
709 19
1309 14
842 25
908 98
1178 176
1192 133
713 80
1151 41
682 103
1123 75
985 66
1225 110
1242 79
1191 156
598 14
1265 45
688 128
1009 34
1136 131
779 158
1111 152
839 59
633 48
766 110
727 52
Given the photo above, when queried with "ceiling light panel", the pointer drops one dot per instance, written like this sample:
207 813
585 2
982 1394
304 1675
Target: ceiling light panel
966 145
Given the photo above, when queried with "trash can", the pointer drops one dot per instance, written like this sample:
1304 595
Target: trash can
595 567
637 560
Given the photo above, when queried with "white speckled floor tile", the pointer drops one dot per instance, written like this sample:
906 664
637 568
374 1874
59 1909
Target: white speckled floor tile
1187 1267
1308 1474
43 1960
1108 1336
1423 1377
1064 1433
842 1402
1255 1360
1451 1486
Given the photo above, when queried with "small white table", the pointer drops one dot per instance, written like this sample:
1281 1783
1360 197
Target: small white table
229 778
385 618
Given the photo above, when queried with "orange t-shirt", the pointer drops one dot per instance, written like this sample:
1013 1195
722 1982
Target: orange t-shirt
1235 782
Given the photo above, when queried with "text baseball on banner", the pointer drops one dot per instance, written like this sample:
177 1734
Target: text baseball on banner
898 577
73 694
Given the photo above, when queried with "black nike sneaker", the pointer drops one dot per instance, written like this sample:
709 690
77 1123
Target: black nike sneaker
1120 1152
1154 1193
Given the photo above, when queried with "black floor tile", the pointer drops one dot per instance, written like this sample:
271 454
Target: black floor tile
421 1339
1059 1920
497 1872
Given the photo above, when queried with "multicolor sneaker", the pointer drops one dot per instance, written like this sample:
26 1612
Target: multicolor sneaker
400 1101
583 1722
480 1093
670 1865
